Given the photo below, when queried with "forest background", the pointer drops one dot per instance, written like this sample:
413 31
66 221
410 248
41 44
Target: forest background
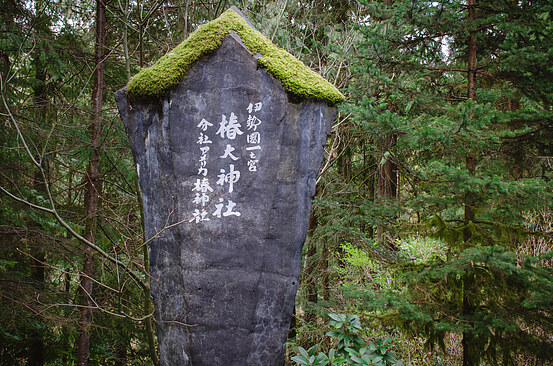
433 218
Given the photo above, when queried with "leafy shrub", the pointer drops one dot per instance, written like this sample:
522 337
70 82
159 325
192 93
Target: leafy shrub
350 347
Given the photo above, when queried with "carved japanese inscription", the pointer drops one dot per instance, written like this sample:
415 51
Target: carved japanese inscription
227 164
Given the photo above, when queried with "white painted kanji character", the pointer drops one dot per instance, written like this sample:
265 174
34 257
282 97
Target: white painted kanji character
204 124
231 177
254 138
202 171
199 216
229 128
203 139
229 211
202 199
253 122
202 185
252 155
218 208
252 167
254 108
228 153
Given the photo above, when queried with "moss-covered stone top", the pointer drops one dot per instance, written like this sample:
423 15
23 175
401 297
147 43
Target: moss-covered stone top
169 70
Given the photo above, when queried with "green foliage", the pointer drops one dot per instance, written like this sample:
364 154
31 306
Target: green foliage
358 267
350 347
346 329
468 173
357 257
309 357
422 249
377 354
171 68
503 291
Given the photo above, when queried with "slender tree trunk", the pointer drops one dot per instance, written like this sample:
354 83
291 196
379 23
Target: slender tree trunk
344 161
293 323
324 271
38 276
93 188
36 344
518 152
386 181
471 77
369 183
472 53
141 35
147 310
125 10
121 354
311 264
470 356
186 22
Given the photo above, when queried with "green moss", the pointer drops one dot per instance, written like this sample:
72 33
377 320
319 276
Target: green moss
169 70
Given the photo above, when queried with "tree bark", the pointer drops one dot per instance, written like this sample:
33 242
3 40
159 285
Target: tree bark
471 94
311 264
36 344
125 11
386 181
93 188
469 355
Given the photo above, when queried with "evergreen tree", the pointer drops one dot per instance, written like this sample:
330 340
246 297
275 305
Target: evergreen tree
473 127
45 50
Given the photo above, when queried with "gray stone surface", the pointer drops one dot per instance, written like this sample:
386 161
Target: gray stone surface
224 287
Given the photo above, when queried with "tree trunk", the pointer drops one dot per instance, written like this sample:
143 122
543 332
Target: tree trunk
93 188
469 353
517 151
344 163
471 77
37 260
386 181
368 185
125 11
38 276
311 265
120 351
293 323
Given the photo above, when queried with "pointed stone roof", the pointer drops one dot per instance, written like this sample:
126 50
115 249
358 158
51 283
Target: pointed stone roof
168 71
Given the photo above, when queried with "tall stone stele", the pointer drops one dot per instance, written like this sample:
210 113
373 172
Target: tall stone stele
227 131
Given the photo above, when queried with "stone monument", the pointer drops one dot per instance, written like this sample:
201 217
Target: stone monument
227 131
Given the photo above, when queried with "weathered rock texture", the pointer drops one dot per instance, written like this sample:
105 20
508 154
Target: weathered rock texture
224 287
